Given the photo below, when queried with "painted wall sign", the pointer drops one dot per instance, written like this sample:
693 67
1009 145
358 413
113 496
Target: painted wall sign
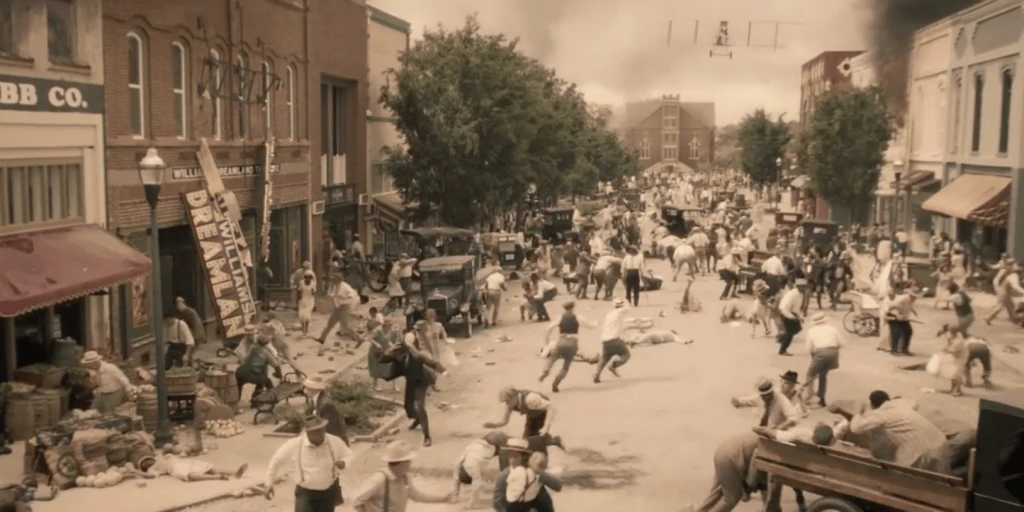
41 95
226 272
230 171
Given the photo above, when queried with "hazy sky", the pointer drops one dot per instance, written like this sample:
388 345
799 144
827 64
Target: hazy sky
616 50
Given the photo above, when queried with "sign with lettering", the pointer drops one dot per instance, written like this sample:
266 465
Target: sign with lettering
230 171
226 273
41 95
338 195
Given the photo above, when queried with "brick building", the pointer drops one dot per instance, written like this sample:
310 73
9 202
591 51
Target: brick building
820 74
667 131
230 72
52 194
339 96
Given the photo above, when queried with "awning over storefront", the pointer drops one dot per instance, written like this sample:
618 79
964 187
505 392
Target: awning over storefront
974 197
42 268
918 181
390 206
801 181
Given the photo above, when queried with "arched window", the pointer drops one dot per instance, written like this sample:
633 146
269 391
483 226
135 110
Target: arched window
136 84
179 70
218 81
290 83
979 95
1004 114
267 69
243 80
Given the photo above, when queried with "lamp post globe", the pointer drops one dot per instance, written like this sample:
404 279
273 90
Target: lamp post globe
151 173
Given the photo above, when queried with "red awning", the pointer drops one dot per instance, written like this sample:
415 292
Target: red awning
41 268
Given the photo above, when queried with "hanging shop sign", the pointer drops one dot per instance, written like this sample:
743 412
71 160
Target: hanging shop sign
229 171
226 272
41 95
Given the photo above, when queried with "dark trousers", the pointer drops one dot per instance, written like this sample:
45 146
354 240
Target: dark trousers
339 317
610 349
539 304
582 282
542 503
246 375
632 282
307 500
175 355
416 405
790 328
731 280
900 333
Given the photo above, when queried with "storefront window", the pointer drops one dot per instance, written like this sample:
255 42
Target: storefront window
288 243
40 193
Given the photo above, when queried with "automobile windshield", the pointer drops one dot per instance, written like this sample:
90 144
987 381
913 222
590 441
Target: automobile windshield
439 279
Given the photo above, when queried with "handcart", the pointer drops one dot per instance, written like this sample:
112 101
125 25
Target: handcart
863 319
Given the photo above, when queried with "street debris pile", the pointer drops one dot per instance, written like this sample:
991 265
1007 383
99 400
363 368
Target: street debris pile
224 428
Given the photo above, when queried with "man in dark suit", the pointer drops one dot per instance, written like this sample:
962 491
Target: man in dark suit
322 406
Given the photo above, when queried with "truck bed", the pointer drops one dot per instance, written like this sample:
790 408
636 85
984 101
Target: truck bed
844 472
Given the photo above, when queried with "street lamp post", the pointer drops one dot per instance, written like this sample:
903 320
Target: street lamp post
896 196
778 182
151 172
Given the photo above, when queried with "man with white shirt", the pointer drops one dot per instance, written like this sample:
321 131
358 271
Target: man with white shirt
700 242
791 313
345 298
315 459
605 275
753 233
180 343
823 344
470 468
683 254
543 292
775 271
632 268
612 345
494 285
746 246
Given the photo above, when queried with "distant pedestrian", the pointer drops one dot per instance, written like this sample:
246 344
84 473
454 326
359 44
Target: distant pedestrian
632 268
962 306
792 316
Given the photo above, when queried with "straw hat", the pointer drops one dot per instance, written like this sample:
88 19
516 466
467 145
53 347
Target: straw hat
765 386
315 383
91 357
398 451
517 445
313 422
819 319
800 282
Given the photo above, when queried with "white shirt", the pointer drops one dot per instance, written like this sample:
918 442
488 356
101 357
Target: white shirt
773 266
611 328
596 245
821 337
523 485
683 252
312 466
789 306
475 457
603 263
177 331
345 294
543 286
109 379
495 281
633 262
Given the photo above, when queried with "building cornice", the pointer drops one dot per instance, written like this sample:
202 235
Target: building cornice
388 20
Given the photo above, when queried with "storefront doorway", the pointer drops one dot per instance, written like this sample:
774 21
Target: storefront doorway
33 333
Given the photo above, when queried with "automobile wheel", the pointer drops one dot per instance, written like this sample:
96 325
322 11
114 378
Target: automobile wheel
850 322
832 504
378 279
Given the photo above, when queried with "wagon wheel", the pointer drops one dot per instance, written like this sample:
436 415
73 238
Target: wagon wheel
833 504
850 322
865 325
378 279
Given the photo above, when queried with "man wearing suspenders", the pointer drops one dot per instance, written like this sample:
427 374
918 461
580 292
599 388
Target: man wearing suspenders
317 458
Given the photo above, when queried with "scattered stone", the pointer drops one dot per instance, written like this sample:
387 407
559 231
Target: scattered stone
502 339
661 314
349 351
927 390
337 344
490 350
1010 349
393 431
140 485
489 363
330 358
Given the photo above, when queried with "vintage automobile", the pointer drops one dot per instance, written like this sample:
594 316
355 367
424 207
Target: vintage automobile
630 198
419 243
820 233
447 286
503 250
675 219
558 227
848 479
785 223
788 219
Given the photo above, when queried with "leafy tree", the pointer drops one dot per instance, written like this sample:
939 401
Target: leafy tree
727 148
842 148
762 141
481 122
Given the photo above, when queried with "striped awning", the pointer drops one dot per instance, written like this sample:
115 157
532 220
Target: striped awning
977 198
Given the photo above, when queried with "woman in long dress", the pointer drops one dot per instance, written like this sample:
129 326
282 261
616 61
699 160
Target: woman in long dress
396 294
957 350
307 300
943 278
383 338
958 262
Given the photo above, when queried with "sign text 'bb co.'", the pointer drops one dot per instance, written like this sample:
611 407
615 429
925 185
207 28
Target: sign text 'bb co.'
41 95
225 271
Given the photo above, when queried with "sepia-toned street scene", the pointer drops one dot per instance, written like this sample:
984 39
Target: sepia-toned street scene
511 255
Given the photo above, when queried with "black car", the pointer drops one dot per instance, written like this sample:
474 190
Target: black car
447 286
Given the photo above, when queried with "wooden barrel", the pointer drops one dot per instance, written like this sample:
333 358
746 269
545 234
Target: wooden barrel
147 410
217 380
65 353
40 411
231 396
19 418
52 399
65 401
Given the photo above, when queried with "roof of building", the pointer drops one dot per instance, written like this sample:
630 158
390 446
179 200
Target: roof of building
387 19
637 111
